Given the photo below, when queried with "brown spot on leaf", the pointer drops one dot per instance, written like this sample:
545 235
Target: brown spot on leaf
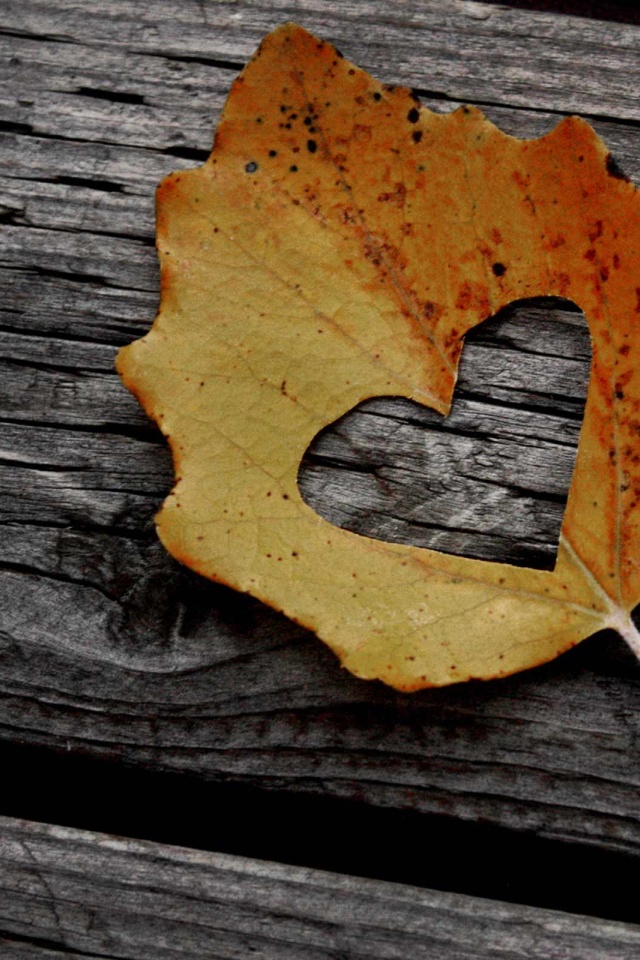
432 311
397 196
555 241
596 231
473 296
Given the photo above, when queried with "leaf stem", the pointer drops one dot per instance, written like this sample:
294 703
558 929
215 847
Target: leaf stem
624 625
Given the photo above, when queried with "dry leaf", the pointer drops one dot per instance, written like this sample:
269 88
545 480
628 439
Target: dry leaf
337 245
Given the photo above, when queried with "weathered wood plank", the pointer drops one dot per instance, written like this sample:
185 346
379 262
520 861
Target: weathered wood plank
496 365
225 688
92 894
79 93
120 262
487 51
65 305
488 481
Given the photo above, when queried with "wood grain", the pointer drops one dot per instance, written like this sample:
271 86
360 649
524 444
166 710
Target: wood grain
107 645
87 894
475 50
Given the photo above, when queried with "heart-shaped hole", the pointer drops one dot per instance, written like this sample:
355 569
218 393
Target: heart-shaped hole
490 481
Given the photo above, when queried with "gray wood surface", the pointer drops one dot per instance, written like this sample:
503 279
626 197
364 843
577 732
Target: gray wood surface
84 894
109 647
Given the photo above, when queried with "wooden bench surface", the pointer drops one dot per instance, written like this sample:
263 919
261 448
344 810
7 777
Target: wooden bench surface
114 654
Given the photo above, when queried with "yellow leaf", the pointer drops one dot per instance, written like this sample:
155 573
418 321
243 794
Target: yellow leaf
337 245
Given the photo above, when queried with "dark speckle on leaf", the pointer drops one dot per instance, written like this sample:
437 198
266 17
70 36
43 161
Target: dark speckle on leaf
251 167
293 168
312 146
273 153
499 269
614 170
414 115
377 96
416 136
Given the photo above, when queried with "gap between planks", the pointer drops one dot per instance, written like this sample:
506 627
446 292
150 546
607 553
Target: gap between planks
89 893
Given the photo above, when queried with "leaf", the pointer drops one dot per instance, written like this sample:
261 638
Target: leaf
337 245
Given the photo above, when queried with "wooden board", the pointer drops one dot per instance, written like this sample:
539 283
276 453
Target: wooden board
109 647
74 893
